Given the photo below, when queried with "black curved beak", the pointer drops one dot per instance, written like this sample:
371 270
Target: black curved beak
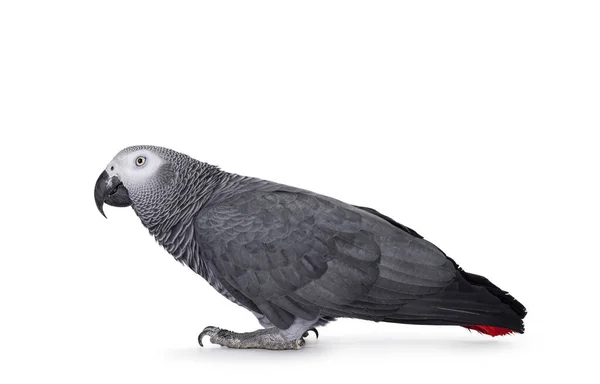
110 190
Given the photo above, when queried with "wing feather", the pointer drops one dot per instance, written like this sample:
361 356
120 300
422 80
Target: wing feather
293 254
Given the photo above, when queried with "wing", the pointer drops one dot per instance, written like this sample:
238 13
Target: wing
291 254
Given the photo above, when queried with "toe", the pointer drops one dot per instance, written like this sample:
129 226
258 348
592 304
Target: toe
305 334
208 331
299 343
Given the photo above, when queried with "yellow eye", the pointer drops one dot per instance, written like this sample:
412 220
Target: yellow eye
140 160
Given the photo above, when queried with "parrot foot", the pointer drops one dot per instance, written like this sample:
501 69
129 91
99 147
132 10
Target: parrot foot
269 338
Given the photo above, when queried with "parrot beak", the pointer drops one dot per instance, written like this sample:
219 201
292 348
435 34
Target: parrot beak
110 190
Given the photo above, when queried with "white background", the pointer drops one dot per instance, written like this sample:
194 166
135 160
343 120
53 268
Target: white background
473 122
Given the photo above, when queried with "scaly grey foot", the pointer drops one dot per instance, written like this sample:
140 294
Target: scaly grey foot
269 338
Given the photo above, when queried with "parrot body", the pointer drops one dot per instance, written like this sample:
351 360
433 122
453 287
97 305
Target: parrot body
295 258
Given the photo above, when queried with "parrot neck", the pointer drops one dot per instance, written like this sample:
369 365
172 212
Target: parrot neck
172 222
173 217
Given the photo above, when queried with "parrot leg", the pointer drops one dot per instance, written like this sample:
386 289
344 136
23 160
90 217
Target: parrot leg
269 338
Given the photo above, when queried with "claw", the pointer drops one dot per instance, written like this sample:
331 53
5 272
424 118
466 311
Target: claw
305 334
208 331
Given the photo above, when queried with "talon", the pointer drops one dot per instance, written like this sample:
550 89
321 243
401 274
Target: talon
305 334
208 331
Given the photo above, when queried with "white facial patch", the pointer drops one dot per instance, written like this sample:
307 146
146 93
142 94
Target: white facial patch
125 167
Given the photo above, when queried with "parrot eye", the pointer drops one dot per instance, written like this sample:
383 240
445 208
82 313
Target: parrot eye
140 160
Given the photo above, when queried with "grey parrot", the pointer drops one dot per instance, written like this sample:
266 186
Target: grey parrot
294 258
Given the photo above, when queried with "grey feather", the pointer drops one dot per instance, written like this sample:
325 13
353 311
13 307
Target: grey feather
296 254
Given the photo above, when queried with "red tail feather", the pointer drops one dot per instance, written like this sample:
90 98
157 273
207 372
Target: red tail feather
487 330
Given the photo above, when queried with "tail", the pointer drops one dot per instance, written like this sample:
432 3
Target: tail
518 308
472 302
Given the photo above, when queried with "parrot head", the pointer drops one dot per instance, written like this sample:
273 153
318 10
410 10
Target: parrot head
137 176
